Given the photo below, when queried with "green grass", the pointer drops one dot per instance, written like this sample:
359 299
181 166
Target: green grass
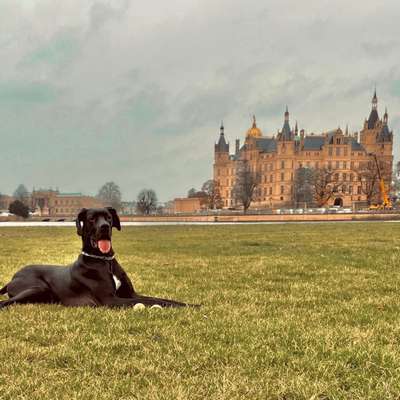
289 312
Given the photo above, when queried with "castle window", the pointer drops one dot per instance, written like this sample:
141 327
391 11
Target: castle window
350 189
270 190
344 189
337 140
358 189
344 177
282 164
352 165
282 189
330 151
337 151
282 176
351 177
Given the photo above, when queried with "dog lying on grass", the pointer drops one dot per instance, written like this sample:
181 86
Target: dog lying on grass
94 279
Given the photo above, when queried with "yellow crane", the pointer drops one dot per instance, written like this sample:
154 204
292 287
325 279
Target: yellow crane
386 204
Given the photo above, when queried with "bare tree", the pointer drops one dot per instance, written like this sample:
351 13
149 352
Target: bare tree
303 186
368 176
246 182
192 192
146 201
110 194
325 184
21 193
212 191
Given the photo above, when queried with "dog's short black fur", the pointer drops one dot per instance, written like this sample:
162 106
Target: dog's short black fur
89 281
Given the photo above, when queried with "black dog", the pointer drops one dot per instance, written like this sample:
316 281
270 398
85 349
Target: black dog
94 279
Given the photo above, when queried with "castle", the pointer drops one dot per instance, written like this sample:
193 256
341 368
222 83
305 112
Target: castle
276 159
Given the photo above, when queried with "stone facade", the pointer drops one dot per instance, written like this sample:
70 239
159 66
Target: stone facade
52 203
276 160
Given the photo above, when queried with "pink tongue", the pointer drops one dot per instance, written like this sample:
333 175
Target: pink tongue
104 245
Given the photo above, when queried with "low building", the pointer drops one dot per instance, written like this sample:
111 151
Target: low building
5 202
189 204
52 203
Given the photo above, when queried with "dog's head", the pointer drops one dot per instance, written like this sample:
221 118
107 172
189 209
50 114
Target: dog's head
95 226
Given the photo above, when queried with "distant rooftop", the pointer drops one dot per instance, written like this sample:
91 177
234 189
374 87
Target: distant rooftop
70 194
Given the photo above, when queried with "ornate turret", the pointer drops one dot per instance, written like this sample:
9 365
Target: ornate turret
254 131
373 116
286 134
385 135
222 146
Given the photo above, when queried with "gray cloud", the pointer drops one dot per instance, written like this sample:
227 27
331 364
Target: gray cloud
97 90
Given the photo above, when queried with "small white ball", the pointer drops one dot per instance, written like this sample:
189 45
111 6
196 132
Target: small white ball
156 306
139 306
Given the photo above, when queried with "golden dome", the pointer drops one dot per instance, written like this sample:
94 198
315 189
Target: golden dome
254 131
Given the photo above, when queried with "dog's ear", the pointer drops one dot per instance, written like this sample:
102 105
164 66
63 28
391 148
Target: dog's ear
79 219
116 222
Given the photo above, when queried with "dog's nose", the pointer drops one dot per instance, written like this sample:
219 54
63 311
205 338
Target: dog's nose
104 227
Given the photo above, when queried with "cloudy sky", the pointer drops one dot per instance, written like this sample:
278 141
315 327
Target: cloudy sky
134 91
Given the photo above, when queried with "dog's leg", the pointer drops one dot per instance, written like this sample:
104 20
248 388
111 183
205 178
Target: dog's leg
147 301
161 302
26 296
3 290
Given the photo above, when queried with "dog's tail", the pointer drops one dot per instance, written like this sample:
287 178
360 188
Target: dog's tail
3 290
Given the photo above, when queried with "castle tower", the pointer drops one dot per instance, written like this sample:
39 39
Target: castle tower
221 148
286 133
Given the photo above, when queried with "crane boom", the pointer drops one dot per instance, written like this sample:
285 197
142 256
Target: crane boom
386 203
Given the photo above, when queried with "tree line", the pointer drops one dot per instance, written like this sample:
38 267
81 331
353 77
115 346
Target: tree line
109 194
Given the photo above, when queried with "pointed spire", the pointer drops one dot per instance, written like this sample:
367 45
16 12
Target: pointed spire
296 129
287 114
374 101
254 121
221 129
347 129
385 116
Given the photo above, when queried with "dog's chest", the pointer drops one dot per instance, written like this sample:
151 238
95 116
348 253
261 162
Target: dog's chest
117 282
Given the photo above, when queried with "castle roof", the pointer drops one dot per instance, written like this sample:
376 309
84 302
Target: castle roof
373 118
314 142
266 145
384 135
286 133
221 145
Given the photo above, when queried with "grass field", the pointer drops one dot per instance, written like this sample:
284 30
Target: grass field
289 312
